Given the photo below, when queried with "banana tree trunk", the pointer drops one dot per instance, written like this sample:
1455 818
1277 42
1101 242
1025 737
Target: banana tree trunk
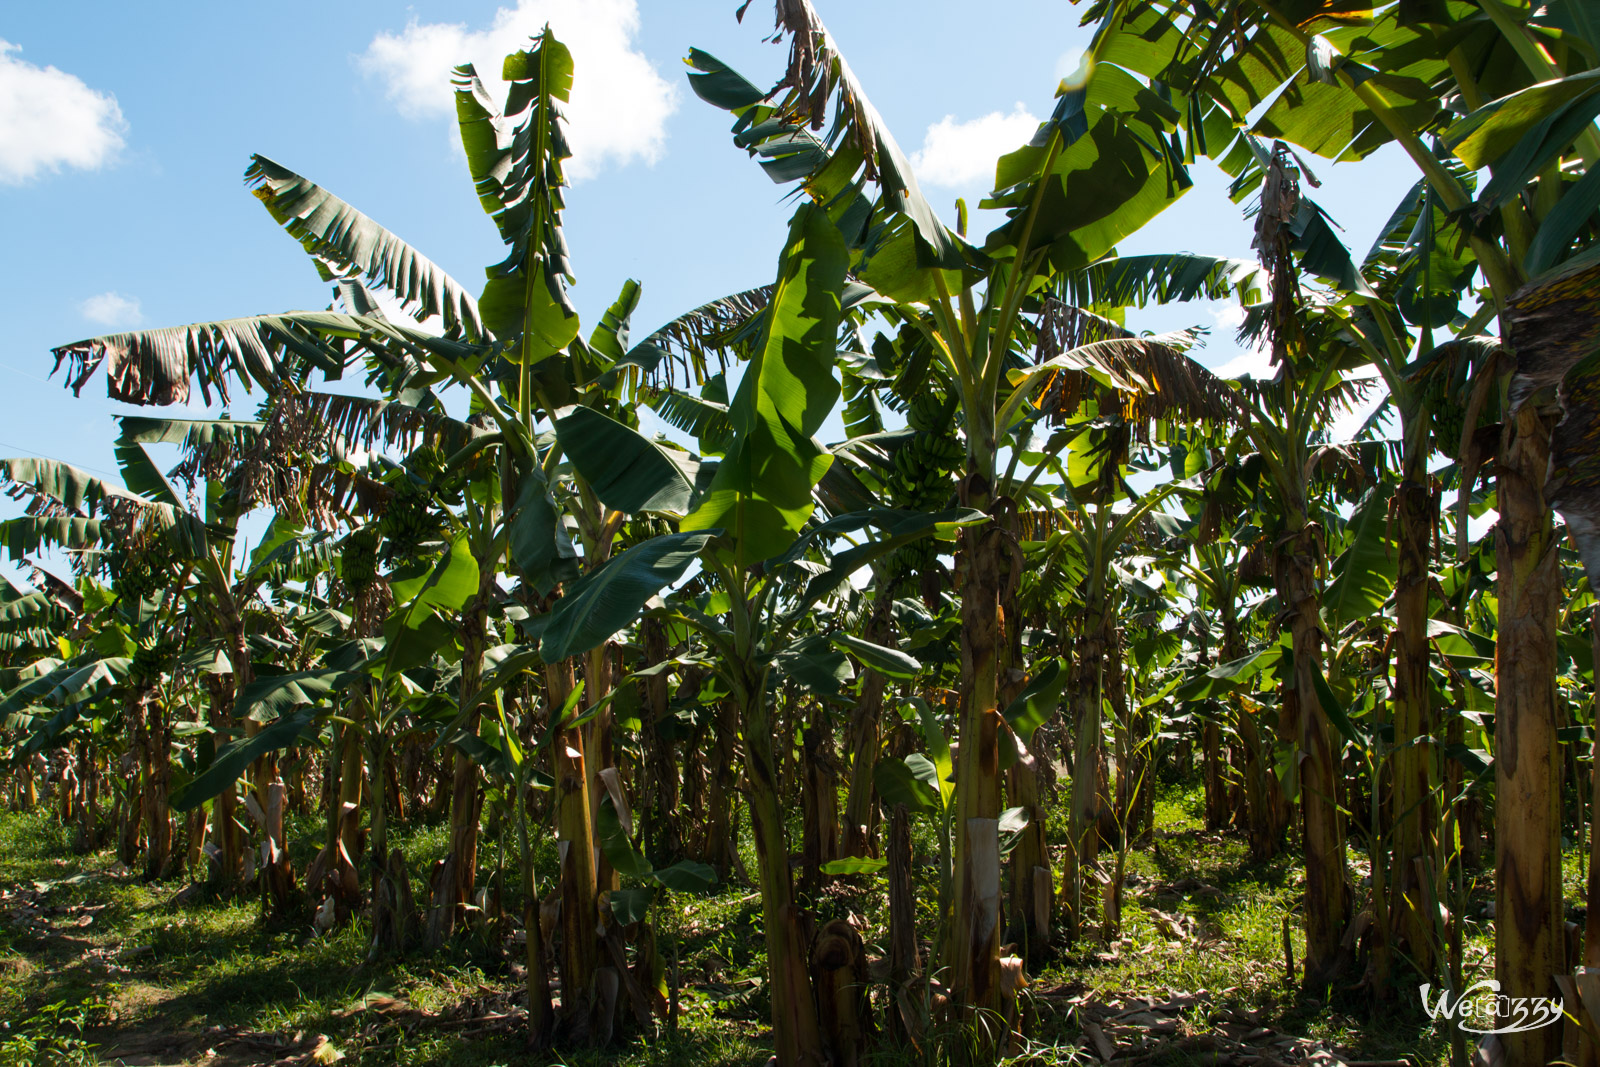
719 848
1327 899
1266 809
455 880
1028 924
129 811
278 885
903 962
796 1033
599 750
1216 785
334 874
66 792
541 1016
154 739
88 808
1083 823
1530 945
1031 879
663 833
860 811
1588 1049
580 915
1415 763
819 824
974 946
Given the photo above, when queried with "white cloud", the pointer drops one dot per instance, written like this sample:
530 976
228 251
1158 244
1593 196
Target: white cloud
112 309
50 119
1227 316
619 106
956 154
1255 361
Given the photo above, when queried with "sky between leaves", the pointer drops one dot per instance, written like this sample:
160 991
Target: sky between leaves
124 130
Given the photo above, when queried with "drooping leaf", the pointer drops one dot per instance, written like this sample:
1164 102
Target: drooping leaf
629 906
541 551
858 147
1137 281
445 586
345 243
234 757
627 471
74 499
898 784
600 604
1038 701
816 666
272 697
890 662
157 366
1364 573
615 844
686 876
1334 708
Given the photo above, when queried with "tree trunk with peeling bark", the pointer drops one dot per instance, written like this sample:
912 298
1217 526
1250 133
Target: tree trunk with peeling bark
154 739
599 750
1415 763
973 951
1530 942
580 915
796 1032
456 878
663 834
1083 824
860 809
820 802
1327 900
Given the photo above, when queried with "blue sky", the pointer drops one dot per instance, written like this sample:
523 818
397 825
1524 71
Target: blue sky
125 128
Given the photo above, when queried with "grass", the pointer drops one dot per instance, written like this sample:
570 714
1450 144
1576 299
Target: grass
177 975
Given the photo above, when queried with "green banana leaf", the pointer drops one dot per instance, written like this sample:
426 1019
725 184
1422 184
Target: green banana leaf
627 471
761 492
601 603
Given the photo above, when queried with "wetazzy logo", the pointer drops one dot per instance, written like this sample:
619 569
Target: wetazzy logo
1481 1009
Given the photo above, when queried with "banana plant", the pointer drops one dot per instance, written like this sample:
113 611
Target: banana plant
1090 177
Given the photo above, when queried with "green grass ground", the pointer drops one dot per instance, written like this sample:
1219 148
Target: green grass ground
156 980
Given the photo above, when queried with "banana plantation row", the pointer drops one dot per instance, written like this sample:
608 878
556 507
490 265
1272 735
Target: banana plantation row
1049 557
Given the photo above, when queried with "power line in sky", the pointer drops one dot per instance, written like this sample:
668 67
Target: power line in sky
41 455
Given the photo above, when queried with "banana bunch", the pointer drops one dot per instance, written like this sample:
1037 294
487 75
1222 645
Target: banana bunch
134 578
1449 416
922 476
358 559
148 663
406 522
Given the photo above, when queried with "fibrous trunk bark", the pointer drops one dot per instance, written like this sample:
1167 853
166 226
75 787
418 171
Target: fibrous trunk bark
1083 824
456 878
1415 763
903 962
1327 899
1588 1049
860 811
1530 945
974 944
580 914
796 1034
663 834
155 773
